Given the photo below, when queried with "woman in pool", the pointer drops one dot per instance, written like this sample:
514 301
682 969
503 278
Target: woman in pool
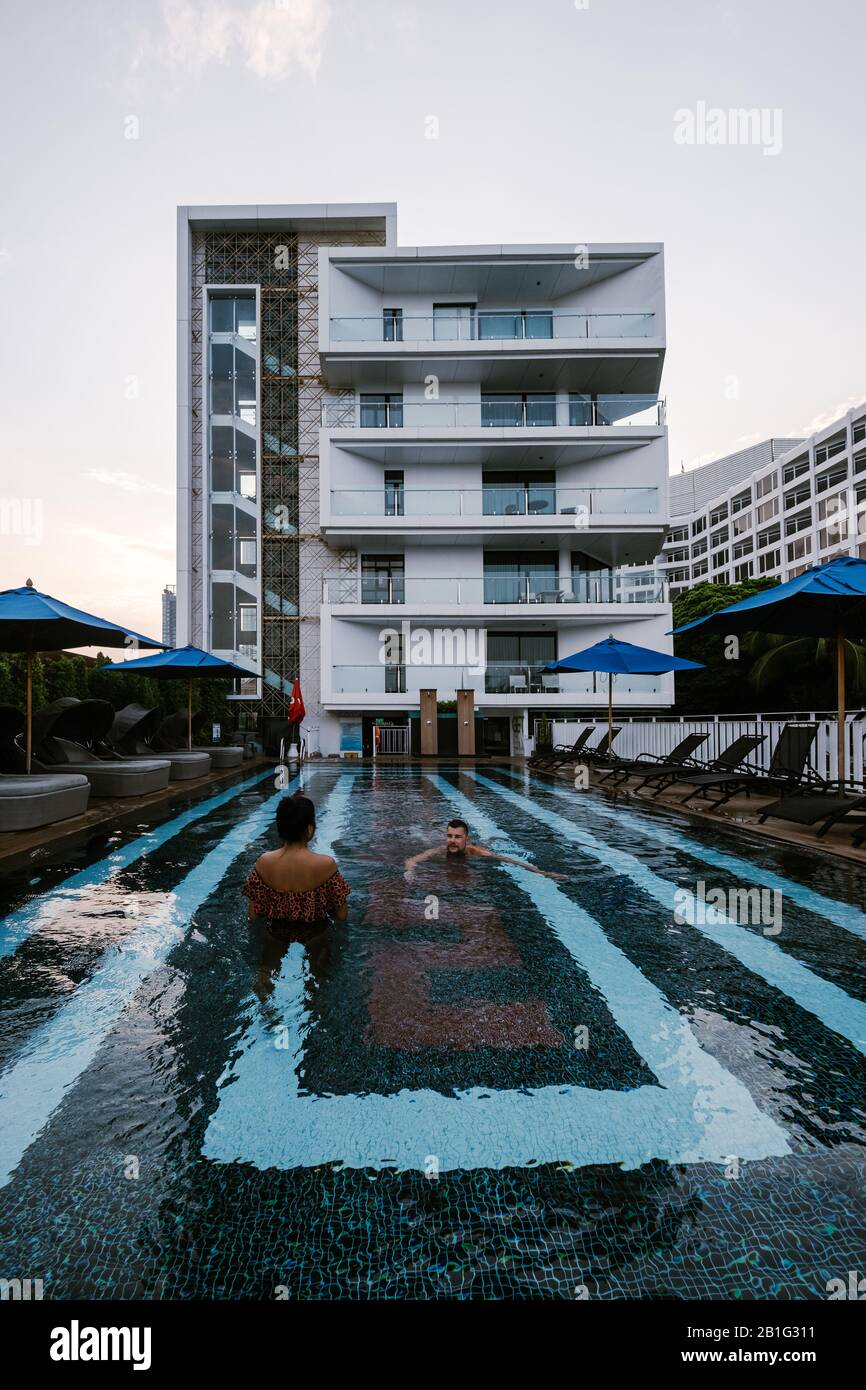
298 893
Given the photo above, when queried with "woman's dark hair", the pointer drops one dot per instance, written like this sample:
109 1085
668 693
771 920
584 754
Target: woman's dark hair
295 815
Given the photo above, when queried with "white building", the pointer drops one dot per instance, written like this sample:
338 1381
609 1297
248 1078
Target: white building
770 511
169 616
398 454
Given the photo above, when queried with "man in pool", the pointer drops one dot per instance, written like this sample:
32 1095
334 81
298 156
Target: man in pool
457 846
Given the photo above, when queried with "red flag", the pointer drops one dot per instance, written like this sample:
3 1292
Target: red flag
297 712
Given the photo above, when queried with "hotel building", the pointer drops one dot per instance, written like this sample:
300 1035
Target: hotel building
407 469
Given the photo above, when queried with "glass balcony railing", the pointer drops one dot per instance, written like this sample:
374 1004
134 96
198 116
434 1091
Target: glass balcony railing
488 325
496 412
493 588
495 500
496 678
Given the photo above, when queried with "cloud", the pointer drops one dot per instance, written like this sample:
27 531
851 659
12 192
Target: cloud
122 544
829 417
270 36
128 482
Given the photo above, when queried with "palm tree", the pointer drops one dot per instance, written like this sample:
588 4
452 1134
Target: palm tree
779 661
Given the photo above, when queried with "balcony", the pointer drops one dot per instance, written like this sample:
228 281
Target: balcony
488 326
580 505
500 412
502 588
504 680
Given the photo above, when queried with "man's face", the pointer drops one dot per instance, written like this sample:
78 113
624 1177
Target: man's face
456 839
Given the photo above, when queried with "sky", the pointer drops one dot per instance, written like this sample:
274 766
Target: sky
555 122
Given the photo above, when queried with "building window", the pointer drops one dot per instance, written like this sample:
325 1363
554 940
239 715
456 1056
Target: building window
394 497
795 469
392 325
771 536
719 514
767 511
700 569
768 483
743 548
742 523
741 501
801 493
799 549
517 323
720 559
453 322
832 477
681 533
381 411
770 560
699 524
830 449
742 572
530 408
801 521
383 579
719 537
247 618
676 557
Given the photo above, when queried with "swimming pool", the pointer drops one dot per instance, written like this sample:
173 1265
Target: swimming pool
489 1084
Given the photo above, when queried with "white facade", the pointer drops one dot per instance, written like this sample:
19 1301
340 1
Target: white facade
492 451
802 505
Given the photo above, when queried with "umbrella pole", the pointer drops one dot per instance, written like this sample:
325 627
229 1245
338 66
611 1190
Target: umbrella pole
840 713
189 713
28 706
609 709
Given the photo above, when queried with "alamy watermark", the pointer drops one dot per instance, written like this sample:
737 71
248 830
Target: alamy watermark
714 125
709 906
439 646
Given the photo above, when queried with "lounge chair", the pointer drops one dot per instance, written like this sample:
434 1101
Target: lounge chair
63 737
129 737
810 807
171 737
562 754
787 770
727 761
678 757
601 753
29 802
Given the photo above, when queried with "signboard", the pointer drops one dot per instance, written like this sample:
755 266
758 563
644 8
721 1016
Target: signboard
351 738
215 733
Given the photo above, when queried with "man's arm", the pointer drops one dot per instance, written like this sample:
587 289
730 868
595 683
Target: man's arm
411 864
521 863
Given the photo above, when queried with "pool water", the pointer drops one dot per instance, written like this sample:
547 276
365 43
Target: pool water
487 1083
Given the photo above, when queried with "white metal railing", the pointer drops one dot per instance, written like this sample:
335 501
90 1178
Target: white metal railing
501 678
494 412
392 738
487 325
659 735
495 500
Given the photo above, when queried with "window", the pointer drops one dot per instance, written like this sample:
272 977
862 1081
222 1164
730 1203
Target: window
770 560
699 524
234 314
530 408
699 548
514 576
767 510
801 493
741 501
393 492
801 521
453 322
523 655
742 572
794 470
742 523
681 533
392 325
381 411
247 485
832 477
719 537
771 536
382 579
858 430
678 576
720 559
247 617
677 556
799 549
768 483
830 449
519 494
743 548
700 569
516 323
246 552
719 514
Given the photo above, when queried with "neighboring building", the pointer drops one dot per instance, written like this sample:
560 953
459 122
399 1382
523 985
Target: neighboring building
391 454
769 511
169 615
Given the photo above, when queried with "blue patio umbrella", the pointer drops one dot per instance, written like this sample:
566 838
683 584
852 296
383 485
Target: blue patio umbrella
34 622
178 662
824 601
622 658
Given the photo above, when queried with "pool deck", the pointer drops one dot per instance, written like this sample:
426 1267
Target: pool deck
741 812
106 814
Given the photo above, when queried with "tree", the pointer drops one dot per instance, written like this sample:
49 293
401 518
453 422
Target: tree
720 687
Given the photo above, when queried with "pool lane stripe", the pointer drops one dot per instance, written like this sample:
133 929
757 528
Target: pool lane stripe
699 1112
836 1009
26 920
844 915
40 1076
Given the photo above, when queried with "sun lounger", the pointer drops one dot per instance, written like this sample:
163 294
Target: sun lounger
601 753
57 731
805 808
561 755
787 770
29 802
727 761
679 757
171 738
129 735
